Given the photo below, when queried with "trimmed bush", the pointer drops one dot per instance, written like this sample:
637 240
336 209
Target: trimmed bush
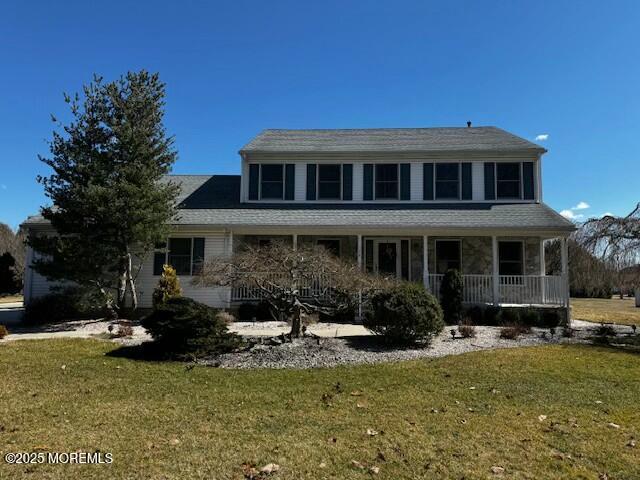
3 332
451 297
181 326
72 303
467 329
168 286
553 317
405 313
513 331
509 316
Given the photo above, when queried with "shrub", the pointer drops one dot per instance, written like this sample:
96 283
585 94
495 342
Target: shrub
509 316
491 315
254 311
71 303
531 317
451 297
405 313
467 329
346 315
513 331
553 317
226 317
3 332
475 314
124 330
182 326
605 330
168 286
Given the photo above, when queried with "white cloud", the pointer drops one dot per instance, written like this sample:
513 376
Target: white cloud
581 206
542 137
570 214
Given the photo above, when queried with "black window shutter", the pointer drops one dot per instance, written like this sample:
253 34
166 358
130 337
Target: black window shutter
254 181
427 181
367 179
347 181
489 181
467 188
311 181
405 181
289 181
198 255
527 177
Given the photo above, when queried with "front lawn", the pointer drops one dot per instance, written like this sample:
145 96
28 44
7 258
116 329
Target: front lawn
613 310
541 412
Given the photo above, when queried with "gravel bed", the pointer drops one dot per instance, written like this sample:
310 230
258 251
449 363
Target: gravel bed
314 352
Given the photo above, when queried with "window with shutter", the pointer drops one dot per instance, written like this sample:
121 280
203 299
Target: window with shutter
329 182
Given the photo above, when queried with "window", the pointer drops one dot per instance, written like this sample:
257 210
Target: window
447 180
331 244
511 258
271 181
447 255
329 182
387 181
508 180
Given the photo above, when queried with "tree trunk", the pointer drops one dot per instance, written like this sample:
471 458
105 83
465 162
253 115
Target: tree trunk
122 283
296 323
131 283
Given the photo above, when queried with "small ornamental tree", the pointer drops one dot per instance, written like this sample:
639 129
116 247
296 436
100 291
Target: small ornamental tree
451 297
292 281
168 286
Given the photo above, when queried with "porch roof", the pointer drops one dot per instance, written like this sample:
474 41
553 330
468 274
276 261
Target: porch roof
213 201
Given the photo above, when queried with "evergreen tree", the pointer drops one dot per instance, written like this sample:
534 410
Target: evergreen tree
110 203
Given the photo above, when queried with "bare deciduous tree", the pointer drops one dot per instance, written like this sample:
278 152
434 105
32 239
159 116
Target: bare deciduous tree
617 241
293 281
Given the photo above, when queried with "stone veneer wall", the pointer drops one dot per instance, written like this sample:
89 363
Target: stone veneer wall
477 254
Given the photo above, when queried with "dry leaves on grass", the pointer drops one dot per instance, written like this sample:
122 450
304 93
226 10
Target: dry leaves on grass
250 471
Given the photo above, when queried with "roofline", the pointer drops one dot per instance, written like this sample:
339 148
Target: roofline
538 149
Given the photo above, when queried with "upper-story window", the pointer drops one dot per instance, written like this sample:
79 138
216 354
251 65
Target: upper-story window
508 180
272 181
447 180
329 182
386 181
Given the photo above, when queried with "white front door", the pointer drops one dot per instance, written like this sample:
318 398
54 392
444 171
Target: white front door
386 257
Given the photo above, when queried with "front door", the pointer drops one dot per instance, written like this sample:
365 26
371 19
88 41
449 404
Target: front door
387 257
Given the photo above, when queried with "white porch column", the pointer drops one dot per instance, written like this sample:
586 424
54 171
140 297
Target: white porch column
229 253
425 261
543 272
564 255
543 268
295 241
495 270
359 250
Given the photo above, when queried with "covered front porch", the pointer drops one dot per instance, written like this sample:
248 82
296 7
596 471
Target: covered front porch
496 269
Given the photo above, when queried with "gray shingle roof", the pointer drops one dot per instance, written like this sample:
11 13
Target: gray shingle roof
215 201
474 139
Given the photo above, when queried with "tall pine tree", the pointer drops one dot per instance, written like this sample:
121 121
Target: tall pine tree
111 206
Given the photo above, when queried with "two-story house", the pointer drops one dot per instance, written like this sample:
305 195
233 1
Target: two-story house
408 202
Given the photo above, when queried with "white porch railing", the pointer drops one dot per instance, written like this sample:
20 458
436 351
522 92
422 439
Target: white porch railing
318 287
512 289
476 289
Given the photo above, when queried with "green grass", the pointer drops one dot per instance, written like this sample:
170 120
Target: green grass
222 418
610 310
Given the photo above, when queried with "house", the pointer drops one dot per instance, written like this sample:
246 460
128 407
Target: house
406 202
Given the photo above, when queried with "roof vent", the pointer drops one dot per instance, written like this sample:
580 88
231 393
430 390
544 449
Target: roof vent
468 124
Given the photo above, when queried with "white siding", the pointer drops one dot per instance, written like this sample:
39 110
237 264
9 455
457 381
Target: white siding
416 182
214 245
357 181
301 182
477 180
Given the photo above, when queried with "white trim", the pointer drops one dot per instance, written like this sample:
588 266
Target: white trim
495 270
425 261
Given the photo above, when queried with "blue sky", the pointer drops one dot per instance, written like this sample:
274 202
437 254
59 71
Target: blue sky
569 70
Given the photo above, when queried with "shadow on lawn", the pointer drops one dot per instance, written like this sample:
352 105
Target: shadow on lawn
374 343
146 351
